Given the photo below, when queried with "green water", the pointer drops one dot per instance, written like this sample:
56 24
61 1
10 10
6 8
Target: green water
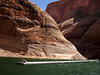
9 66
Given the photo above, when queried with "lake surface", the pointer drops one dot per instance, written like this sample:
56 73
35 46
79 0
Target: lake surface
9 66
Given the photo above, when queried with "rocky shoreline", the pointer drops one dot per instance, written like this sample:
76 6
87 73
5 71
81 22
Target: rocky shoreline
6 53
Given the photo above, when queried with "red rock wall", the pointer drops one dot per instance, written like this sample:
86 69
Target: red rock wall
79 22
30 31
65 9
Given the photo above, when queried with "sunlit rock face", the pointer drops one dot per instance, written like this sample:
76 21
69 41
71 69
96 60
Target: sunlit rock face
79 21
30 31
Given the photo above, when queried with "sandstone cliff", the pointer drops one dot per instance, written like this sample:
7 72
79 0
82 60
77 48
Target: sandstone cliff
79 21
30 31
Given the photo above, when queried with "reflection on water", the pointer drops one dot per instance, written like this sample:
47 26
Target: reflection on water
9 66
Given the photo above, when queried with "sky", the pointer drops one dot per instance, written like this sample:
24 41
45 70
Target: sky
42 3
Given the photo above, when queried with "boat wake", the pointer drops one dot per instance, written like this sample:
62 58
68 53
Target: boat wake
53 62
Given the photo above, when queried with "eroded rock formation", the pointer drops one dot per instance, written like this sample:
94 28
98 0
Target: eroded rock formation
28 30
79 21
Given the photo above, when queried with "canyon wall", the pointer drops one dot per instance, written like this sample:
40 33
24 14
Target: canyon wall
27 30
79 21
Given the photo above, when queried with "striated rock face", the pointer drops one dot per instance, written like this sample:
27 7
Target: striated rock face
79 21
30 31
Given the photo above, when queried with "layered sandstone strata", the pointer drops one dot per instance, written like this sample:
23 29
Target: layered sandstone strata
30 31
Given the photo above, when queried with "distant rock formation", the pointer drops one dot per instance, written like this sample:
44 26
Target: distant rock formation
79 21
30 31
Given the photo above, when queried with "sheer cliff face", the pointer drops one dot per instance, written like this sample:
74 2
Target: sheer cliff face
79 21
28 30
65 9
